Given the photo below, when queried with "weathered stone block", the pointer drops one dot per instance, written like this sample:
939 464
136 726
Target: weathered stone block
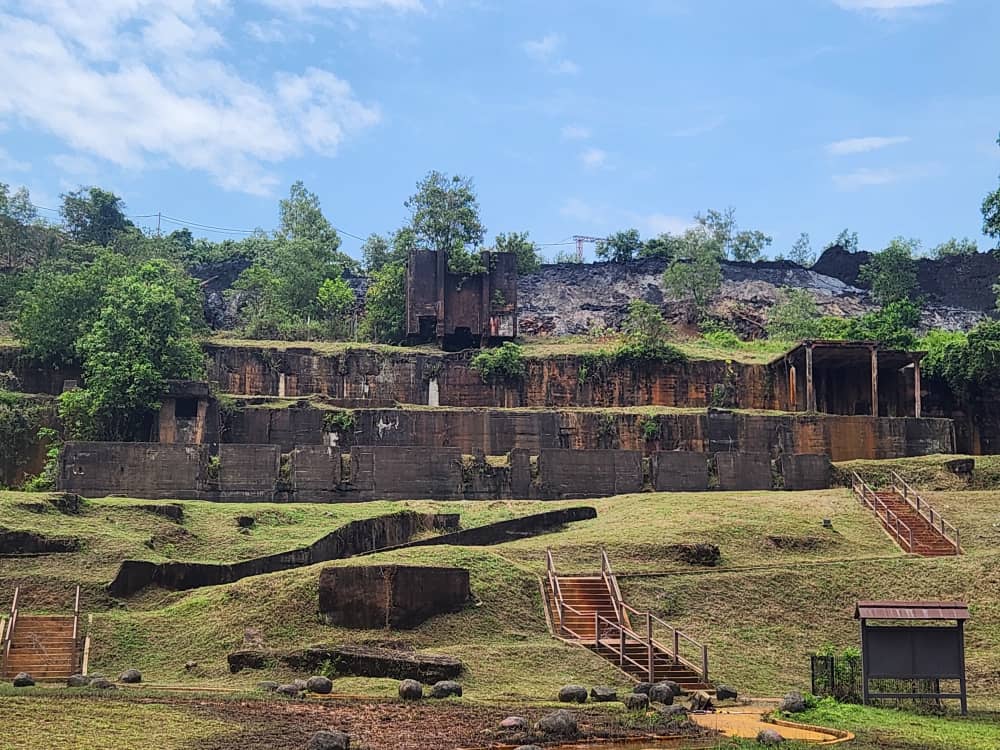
744 471
592 473
677 471
390 596
806 471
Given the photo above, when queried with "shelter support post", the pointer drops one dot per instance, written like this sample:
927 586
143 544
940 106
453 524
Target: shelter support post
916 389
810 388
874 382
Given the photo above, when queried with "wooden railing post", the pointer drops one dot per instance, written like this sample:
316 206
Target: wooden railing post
597 630
649 644
621 658
704 663
677 646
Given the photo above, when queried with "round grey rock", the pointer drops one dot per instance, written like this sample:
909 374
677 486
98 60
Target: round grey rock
699 701
102 683
130 676
515 724
23 679
603 694
329 739
674 712
661 693
301 683
769 737
446 689
561 723
267 686
319 684
636 701
289 690
572 694
793 703
411 690
725 693
77 680
643 688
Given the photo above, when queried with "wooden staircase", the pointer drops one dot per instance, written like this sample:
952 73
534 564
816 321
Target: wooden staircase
589 611
45 646
910 520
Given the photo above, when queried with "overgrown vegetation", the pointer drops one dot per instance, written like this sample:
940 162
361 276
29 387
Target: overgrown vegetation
502 363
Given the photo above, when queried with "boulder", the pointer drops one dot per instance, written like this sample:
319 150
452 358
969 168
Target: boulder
289 690
319 684
329 739
267 686
561 723
249 658
572 694
643 688
636 701
769 737
367 661
77 680
515 724
446 689
411 690
245 522
700 701
300 683
662 692
190 665
725 693
23 679
674 712
793 703
603 694
130 676
102 683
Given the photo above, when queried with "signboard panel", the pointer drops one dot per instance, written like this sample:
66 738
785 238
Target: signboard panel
913 653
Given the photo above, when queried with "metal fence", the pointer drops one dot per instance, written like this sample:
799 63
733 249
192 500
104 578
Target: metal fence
840 678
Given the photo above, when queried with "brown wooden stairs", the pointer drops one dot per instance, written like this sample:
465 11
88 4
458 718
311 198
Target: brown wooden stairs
589 611
911 521
48 647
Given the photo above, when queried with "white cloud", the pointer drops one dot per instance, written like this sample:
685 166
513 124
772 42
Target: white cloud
594 158
9 164
887 7
76 165
864 145
867 177
300 6
657 223
132 82
586 213
547 51
575 133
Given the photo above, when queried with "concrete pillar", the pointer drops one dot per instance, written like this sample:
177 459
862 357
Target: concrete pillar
810 389
874 382
433 394
916 389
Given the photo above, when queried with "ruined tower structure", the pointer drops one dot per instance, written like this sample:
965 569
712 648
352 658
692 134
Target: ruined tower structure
460 311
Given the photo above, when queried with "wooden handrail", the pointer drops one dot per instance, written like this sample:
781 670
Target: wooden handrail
76 616
8 635
892 521
926 511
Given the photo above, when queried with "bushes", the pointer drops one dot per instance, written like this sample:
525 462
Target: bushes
503 363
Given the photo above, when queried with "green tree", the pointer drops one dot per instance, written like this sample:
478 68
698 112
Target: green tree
141 337
891 274
801 251
695 271
375 252
991 213
646 335
735 243
893 326
336 299
662 246
847 240
794 317
620 247
444 216
25 241
302 218
94 216
528 258
955 246
384 319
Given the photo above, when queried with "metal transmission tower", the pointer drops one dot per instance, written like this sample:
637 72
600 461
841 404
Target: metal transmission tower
580 239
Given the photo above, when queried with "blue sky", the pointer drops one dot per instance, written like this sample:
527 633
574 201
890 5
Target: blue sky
571 116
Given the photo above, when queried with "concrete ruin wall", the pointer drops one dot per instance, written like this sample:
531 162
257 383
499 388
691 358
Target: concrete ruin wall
378 597
805 471
744 471
678 471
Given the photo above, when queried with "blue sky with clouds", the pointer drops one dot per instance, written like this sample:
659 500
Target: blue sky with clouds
572 116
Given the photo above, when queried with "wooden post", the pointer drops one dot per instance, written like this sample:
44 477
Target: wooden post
864 663
874 382
810 389
916 389
649 644
677 645
793 396
961 679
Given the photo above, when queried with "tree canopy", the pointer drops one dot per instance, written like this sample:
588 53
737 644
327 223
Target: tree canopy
991 212
620 247
891 274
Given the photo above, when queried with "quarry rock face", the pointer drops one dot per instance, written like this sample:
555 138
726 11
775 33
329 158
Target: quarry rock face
390 596
368 661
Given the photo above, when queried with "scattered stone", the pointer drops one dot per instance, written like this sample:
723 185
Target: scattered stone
249 658
244 532
301 683
167 510
328 739
700 701
446 689
562 723
319 684
411 690
23 679
267 686
245 522
572 694
662 692
769 737
674 712
102 683
793 703
725 693
961 467
602 694
515 724
527 747
77 680
643 688
130 676
292 690
636 701
190 666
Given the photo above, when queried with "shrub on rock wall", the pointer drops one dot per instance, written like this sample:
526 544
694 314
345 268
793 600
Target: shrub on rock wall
504 363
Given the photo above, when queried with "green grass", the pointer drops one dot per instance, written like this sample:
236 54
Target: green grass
924 472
